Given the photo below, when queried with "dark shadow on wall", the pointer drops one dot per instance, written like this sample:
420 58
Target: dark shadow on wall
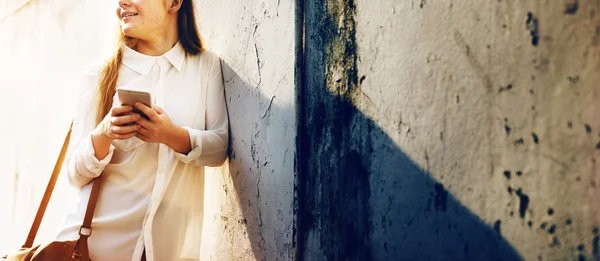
361 196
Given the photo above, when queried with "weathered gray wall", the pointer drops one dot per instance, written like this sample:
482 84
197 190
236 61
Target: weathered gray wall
451 130
431 130
252 196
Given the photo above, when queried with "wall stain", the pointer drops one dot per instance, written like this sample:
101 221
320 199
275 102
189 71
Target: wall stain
536 140
497 225
507 174
555 242
588 129
472 58
519 141
523 203
508 87
533 27
573 79
572 7
551 229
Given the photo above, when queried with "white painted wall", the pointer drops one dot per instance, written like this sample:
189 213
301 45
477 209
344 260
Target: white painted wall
251 210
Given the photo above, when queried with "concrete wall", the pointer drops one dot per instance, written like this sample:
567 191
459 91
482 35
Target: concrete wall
46 46
251 207
430 130
451 130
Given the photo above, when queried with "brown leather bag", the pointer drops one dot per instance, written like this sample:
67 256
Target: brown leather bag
75 250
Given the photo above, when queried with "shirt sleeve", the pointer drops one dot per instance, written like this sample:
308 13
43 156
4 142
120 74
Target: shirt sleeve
82 164
209 147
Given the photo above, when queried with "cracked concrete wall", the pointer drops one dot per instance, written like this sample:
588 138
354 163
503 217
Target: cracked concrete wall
451 130
251 202
48 45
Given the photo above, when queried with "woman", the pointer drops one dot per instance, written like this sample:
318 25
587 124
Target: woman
151 199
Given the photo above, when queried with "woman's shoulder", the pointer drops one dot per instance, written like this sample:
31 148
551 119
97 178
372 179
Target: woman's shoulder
208 54
207 57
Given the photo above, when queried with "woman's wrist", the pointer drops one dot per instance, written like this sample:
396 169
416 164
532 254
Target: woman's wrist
178 139
101 143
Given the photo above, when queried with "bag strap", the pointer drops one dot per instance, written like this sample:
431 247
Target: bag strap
85 230
44 204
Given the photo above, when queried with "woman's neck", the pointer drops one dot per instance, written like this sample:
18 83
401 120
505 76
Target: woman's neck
159 44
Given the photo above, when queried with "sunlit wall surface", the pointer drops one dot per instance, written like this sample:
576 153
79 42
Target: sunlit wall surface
45 48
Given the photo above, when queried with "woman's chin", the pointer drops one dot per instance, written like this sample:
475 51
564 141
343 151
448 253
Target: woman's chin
128 30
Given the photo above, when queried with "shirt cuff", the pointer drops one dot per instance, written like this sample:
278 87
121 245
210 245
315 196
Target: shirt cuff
194 144
90 161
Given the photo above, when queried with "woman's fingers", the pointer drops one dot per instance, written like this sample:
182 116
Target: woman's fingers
145 123
120 109
124 129
143 131
147 110
124 136
142 137
121 120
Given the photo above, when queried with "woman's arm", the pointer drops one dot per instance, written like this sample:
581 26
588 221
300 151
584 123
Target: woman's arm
199 147
179 140
91 146
82 163
209 147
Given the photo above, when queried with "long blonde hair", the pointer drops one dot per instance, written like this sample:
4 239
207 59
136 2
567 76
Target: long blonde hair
189 37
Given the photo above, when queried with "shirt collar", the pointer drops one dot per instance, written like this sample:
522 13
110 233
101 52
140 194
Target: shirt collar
142 63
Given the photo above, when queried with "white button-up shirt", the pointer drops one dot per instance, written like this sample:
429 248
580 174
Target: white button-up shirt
151 196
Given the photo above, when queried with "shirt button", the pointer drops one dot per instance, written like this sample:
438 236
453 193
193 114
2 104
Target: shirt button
160 170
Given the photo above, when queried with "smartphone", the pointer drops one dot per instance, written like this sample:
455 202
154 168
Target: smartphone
130 97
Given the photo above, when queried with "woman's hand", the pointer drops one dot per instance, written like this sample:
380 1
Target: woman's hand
117 125
160 129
